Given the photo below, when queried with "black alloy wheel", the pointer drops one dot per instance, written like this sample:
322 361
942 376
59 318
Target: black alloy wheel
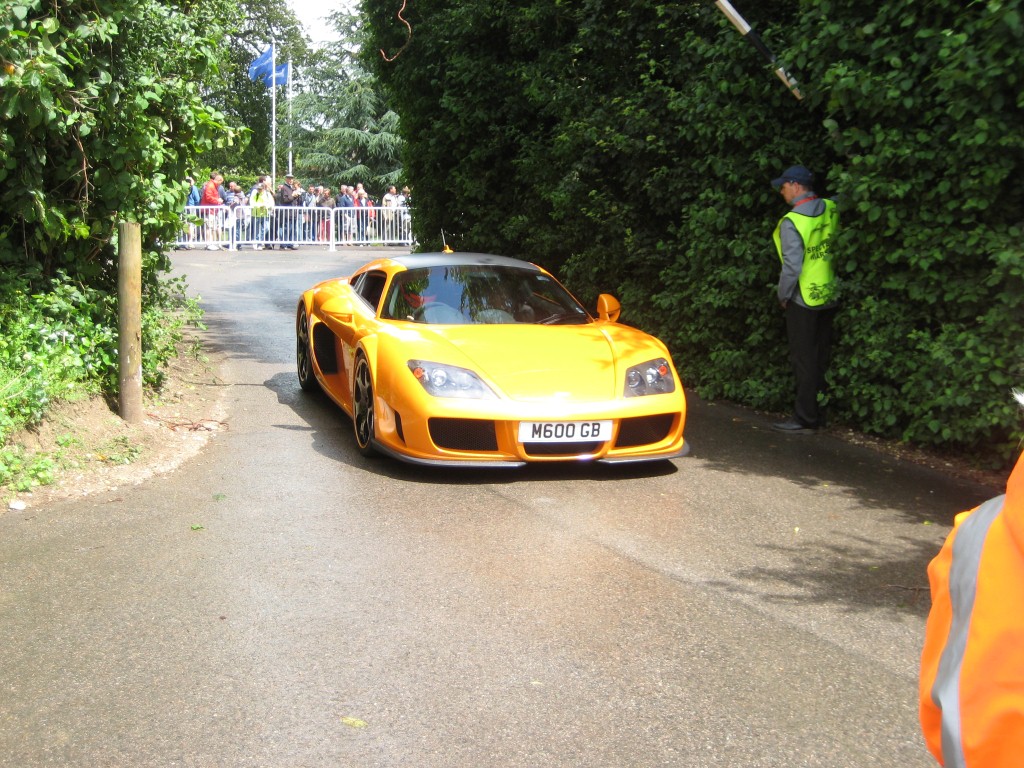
303 352
362 407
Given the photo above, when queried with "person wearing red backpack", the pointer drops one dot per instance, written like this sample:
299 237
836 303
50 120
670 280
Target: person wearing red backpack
212 201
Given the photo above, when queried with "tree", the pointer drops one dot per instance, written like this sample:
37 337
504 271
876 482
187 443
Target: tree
102 119
344 129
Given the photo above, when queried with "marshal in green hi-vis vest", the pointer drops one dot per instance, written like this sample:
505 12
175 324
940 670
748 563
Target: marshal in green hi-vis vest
817 278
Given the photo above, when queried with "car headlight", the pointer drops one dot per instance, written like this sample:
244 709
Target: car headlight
651 378
450 381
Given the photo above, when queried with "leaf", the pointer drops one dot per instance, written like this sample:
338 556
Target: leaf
354 722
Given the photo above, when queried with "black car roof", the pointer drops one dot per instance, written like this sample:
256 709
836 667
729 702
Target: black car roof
419 260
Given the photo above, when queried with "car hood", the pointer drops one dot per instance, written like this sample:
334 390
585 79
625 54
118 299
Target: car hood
539 363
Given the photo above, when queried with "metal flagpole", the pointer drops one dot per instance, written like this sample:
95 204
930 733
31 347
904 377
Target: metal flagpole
289 116
741 24
273 115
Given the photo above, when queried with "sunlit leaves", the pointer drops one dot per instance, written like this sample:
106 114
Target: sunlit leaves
90 122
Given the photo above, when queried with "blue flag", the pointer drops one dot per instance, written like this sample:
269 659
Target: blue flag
279 76
263 64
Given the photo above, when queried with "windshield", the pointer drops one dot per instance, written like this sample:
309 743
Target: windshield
478 295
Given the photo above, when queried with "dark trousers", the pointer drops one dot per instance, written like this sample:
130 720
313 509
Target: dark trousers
810 348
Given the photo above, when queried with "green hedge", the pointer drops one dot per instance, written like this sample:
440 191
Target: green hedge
631 146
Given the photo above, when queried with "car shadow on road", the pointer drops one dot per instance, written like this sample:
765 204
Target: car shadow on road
850 570
852 574
733 439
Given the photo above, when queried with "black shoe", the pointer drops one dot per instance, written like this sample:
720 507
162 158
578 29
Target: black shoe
793 427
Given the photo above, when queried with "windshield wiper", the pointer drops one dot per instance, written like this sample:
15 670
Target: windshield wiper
561 317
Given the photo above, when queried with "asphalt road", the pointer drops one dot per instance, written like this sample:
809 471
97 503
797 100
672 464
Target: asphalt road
281 601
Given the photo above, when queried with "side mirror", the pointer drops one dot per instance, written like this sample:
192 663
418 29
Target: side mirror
608 308
339 308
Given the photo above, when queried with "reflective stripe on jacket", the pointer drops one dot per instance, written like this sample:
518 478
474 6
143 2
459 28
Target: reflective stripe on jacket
972 665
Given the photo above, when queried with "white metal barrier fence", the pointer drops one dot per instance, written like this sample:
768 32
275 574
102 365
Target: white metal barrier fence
221 226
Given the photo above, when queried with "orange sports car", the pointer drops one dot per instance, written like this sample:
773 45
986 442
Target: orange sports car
475 360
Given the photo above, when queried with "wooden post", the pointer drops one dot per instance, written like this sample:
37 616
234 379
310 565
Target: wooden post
129 320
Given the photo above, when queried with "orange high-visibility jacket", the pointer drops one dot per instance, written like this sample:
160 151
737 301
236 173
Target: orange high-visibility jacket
972 666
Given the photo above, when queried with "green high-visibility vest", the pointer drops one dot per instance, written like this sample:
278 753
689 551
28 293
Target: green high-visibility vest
817 277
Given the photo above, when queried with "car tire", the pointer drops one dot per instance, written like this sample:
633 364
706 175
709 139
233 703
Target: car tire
304 352
363 417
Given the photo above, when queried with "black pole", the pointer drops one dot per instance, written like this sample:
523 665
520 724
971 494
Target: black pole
748 32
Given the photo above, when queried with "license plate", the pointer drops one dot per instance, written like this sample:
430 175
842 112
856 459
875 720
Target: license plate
564 431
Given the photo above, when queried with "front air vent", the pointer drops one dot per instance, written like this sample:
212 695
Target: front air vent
644 430
463 434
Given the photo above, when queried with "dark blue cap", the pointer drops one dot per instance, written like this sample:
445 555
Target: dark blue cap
796 173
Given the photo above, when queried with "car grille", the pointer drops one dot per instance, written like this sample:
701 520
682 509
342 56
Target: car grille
643 430
560 449
463 434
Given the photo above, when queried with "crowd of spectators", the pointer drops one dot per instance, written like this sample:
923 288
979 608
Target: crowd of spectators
266 217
